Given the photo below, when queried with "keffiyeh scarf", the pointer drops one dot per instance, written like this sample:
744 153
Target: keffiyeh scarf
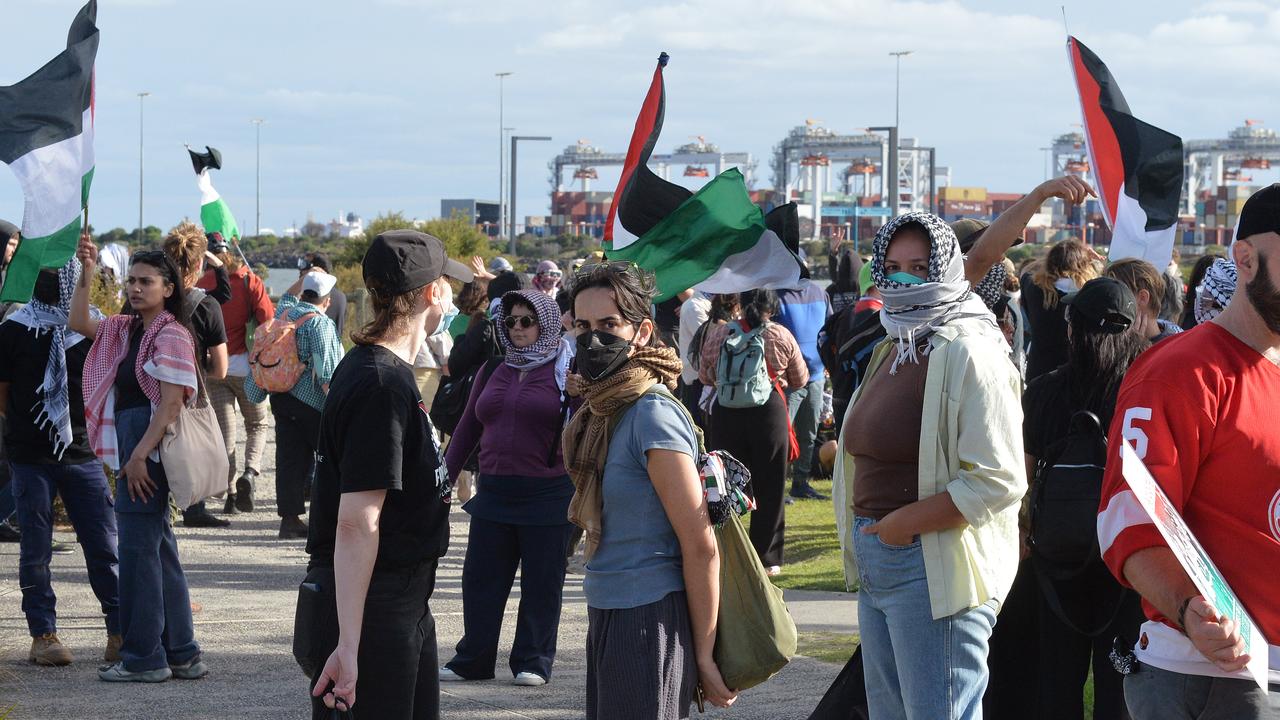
913 312
1215 290
551 345
55 398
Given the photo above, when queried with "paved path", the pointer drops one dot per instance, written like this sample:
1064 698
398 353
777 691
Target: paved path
246 581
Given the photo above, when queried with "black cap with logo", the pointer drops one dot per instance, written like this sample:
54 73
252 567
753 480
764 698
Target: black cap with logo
402 260
1106 305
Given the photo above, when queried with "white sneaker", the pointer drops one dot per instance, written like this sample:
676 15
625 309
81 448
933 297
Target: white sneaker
773 571
447 675
528 679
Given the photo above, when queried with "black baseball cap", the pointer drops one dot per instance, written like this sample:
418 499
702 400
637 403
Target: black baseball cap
398 261
7 230
1106 304
1261 213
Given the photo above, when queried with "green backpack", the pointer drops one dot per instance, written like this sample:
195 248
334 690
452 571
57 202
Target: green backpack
742 375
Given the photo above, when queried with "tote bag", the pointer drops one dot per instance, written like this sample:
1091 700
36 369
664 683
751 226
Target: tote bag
193 454
755 635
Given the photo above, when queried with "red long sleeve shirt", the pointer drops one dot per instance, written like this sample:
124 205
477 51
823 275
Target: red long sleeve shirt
249 300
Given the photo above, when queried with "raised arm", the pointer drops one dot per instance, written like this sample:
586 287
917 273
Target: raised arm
1007 228
80 319
222 282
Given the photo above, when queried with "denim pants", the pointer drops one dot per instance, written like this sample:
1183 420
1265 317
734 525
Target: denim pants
1155 694
155 608
917 668
805 406
88 501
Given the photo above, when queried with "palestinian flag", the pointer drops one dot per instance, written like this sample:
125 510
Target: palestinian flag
1138 167
215 216
715 240
46 138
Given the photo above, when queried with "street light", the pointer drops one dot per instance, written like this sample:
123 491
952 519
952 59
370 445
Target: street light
502 160
257 176
515 140
141 97
897 73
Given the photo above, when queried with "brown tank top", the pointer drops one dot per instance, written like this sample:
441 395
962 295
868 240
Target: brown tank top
883 436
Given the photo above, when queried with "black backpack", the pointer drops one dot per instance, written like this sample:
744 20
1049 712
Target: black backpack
845 344
1065 497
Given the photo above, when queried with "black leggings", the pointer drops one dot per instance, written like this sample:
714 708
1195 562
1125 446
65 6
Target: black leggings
759 438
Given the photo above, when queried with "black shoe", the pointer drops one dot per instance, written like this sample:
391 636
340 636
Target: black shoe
203 519
9 532
244 491
806 492
293 528
229 508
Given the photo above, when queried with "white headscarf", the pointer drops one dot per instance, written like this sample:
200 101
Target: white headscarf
912 312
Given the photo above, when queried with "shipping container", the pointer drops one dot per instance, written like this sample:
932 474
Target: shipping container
957 193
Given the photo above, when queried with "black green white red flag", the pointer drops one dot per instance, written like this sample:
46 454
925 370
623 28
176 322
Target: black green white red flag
1137 166
715 240
215 216
46 139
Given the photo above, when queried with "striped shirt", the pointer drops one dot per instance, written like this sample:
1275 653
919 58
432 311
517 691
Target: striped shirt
318 347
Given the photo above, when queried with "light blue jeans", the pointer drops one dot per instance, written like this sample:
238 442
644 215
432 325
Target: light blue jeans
917 668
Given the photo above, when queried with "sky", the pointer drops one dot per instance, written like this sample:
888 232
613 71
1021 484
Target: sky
377 105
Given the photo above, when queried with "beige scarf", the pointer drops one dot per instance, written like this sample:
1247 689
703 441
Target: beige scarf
586 439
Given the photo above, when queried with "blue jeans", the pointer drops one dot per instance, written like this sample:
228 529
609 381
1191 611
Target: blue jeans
805 406
155 608
917 668
88 502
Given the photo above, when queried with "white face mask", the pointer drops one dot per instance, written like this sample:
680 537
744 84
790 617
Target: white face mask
449 312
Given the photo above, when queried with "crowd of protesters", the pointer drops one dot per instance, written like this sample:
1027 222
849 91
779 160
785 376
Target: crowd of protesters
960 394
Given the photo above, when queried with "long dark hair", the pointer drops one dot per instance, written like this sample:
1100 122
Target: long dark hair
1188 319
724 307
391 313
176 303
757 304
1096 364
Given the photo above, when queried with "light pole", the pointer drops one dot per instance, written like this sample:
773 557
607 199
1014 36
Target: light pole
897 124
515 140
1046 151
502 160
897 74
141 97
257 175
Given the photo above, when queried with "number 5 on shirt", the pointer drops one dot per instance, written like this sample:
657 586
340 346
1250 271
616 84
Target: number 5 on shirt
1133 434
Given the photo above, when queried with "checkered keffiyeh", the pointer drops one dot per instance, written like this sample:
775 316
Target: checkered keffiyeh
991 288
1215 290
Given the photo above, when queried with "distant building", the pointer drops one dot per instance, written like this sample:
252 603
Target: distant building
346 226
481 213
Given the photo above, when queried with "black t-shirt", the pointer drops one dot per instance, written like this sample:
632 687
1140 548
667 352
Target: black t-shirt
128 392
209 328
375 435
23 357
1046 411
1048 329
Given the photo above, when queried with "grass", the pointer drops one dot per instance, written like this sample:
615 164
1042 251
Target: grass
828 647
812 546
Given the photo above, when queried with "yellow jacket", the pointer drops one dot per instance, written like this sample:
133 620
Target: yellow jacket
971 447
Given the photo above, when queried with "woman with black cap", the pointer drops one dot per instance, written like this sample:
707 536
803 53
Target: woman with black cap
380 507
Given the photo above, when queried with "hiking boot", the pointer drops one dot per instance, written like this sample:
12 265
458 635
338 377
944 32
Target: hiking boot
229 508
292 528
202 518
48 650
117 673
192 670
244 490
806 492
9 532
112 652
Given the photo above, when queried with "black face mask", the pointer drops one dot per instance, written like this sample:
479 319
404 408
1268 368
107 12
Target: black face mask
600 354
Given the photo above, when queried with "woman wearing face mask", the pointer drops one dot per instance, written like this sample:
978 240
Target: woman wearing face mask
652 574
1068 266
519 513
761 436
547 278
138 375
930 457
378 549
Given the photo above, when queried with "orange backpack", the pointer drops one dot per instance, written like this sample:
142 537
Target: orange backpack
274 362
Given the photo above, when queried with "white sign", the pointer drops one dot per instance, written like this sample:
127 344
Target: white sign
1195 561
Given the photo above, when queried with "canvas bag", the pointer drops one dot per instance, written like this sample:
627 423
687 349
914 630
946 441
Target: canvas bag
274 361
193 454
742 375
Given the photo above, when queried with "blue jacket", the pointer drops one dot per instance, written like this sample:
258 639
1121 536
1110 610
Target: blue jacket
804 311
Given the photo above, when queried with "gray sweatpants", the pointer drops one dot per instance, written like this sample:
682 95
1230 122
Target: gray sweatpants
224 396
640 661
1155 694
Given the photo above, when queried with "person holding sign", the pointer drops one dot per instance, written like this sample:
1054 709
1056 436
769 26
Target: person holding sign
1198 410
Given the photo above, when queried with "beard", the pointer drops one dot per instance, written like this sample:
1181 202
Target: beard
1264 296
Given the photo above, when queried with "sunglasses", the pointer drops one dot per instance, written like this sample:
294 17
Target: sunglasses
552 274
147 256
524 321
619 266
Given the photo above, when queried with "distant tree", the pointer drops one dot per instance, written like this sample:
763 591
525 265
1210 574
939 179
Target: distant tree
314 230
354 248
461 238
115 235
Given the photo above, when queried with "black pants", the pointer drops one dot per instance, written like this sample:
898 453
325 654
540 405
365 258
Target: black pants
689 396
398 678
297 434
759 438
493 551
1066 657
1012 662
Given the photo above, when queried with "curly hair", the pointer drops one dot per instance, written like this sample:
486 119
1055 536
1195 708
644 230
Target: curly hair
1067 259
186 245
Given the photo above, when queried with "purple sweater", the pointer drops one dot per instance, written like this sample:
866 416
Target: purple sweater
513 421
